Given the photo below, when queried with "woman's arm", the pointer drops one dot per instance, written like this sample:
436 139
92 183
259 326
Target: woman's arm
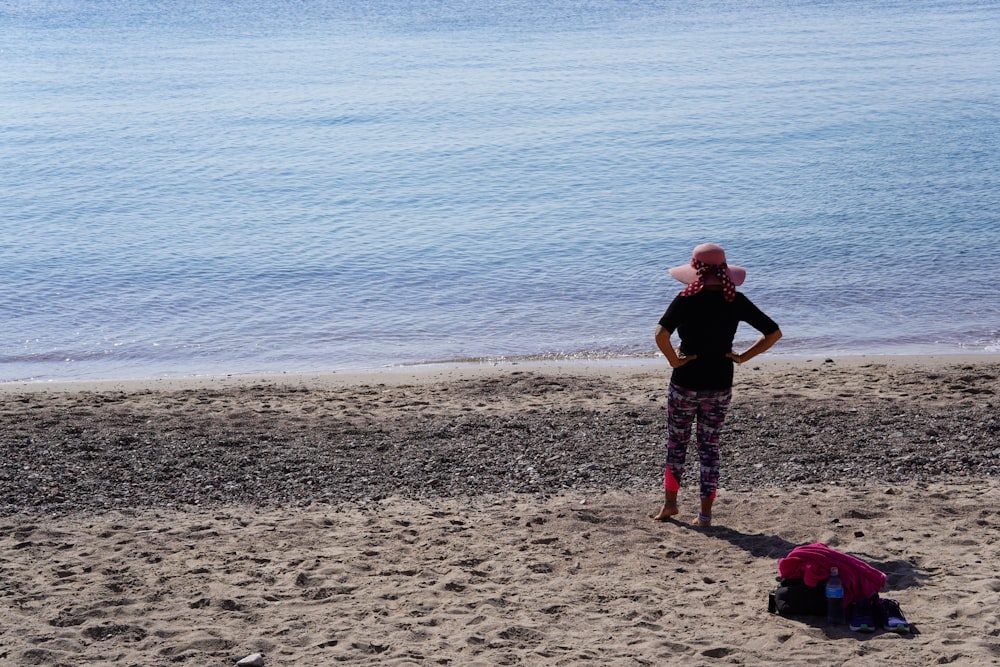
763 344
675 357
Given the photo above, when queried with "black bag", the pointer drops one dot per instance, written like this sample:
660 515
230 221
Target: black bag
793 597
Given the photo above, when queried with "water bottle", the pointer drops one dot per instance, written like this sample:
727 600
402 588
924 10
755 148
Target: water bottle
834 599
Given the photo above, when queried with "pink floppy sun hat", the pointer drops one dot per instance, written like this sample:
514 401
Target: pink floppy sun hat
712 255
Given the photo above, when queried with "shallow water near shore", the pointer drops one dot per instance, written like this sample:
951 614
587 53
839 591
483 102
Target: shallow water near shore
212 188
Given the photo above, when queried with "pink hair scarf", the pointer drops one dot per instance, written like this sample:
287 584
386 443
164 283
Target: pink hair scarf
704 270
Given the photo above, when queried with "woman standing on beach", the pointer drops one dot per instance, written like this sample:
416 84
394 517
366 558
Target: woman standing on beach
705 316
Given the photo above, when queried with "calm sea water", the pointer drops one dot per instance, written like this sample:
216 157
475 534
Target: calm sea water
228 187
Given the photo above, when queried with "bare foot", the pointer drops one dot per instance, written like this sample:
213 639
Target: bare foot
703 521
668 510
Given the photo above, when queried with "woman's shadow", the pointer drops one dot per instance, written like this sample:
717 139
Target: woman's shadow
900 574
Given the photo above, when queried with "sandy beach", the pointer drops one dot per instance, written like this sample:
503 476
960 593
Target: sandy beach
492 515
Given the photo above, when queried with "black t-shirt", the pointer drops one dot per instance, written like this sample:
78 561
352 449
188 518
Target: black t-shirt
706 324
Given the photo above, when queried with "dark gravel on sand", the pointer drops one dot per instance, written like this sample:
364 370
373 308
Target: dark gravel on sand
270 445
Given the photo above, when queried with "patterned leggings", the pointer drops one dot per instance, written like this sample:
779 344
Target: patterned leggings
709 407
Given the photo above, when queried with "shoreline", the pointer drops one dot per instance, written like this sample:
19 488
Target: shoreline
447 372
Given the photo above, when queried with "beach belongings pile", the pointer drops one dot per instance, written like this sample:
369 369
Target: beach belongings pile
803 576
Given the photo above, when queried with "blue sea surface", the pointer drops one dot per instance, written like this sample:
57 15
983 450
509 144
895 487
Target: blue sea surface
191 188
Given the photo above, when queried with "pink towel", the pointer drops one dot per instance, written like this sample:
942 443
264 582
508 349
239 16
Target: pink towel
812 563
